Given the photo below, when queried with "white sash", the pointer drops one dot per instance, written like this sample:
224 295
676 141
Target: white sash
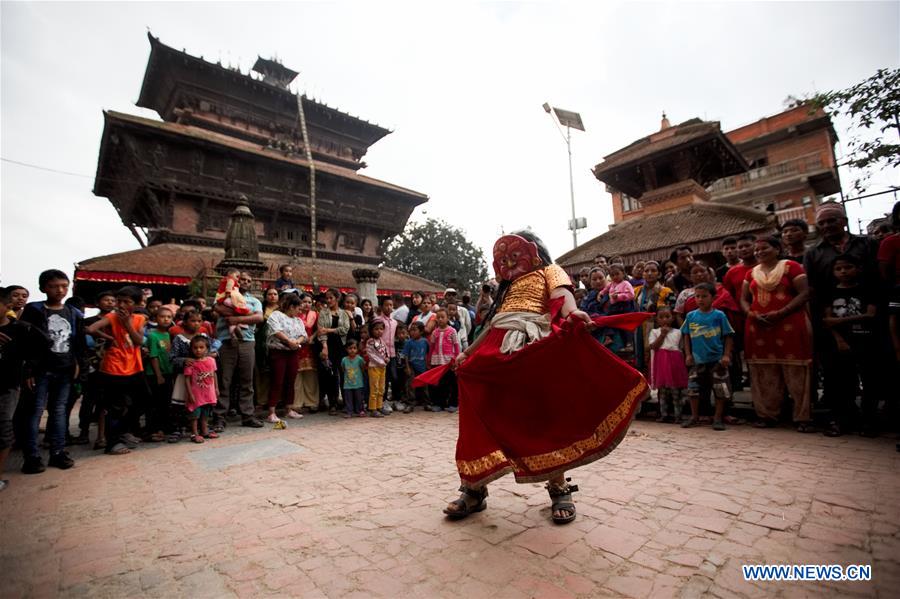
521 328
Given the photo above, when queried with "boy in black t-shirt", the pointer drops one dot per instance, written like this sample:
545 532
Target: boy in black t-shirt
19 344
850 315
64 327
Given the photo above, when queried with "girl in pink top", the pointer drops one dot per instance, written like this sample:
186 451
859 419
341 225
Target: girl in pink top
444 348
621 300
202 388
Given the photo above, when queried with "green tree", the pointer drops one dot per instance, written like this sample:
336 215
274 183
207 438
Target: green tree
873 106
438 252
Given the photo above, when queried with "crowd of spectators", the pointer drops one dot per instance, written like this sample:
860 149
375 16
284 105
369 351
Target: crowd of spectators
779 316
782 316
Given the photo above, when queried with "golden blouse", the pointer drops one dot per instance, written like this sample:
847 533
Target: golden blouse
531 292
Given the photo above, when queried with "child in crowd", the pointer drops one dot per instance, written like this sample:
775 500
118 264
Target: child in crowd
91 399
55 373
850 315
580 294
621 301
637 274
402 387
445 347
708 339
125 393
596 302
390 338
352 368
153 306
456 322
415 351
181 358
202 389
20 343
158 368
18 297
378 360
229 295
188 306
668 374
284 281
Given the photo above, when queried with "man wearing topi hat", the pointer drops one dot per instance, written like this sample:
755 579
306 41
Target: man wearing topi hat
831 221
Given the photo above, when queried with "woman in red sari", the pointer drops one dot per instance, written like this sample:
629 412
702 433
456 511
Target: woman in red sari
778 338
522 405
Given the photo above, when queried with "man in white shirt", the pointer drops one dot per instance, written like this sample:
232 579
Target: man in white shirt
401 310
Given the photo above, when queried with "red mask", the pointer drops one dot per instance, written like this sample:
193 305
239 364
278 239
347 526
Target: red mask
515 256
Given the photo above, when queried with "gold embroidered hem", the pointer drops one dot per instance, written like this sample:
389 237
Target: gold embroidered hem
529 468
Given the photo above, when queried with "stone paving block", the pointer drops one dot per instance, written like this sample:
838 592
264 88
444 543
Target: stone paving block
654 520
218 458
615 541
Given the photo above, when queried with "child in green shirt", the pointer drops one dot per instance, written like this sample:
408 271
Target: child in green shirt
158 368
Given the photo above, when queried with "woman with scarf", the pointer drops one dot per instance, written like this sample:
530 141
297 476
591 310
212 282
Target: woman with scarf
778 337
647 298
522 406
306 389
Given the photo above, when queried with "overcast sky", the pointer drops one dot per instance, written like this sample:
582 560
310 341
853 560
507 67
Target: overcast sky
460 84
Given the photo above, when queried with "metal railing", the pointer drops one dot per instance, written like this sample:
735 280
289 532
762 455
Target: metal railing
766 174
798 212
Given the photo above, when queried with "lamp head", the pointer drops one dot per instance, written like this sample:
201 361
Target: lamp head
546 107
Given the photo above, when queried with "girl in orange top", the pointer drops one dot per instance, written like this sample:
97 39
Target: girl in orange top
124 388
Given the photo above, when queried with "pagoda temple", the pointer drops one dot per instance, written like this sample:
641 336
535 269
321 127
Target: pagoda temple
227 139
692 184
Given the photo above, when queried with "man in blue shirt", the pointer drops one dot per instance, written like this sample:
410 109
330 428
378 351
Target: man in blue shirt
238 358
708 338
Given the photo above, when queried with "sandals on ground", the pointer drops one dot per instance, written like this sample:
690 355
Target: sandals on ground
805 427
561 499
197 438
118 449
211 435
465 508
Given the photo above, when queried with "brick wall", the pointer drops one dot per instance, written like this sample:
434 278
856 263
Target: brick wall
772 123
817 142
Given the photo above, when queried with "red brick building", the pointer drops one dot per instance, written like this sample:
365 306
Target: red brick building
791 165
693 184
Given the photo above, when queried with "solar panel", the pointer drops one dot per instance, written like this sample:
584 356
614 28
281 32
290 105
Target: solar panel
567 118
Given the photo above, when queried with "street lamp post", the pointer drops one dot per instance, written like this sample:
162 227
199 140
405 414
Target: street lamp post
571 120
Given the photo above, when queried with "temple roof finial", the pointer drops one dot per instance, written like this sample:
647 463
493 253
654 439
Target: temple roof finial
664 124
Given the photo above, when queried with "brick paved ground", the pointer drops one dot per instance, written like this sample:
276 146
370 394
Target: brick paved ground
355 512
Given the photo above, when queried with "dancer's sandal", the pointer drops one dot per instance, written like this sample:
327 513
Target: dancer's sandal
467 508
561 500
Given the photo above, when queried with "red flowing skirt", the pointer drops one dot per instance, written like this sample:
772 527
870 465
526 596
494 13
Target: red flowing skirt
558 403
